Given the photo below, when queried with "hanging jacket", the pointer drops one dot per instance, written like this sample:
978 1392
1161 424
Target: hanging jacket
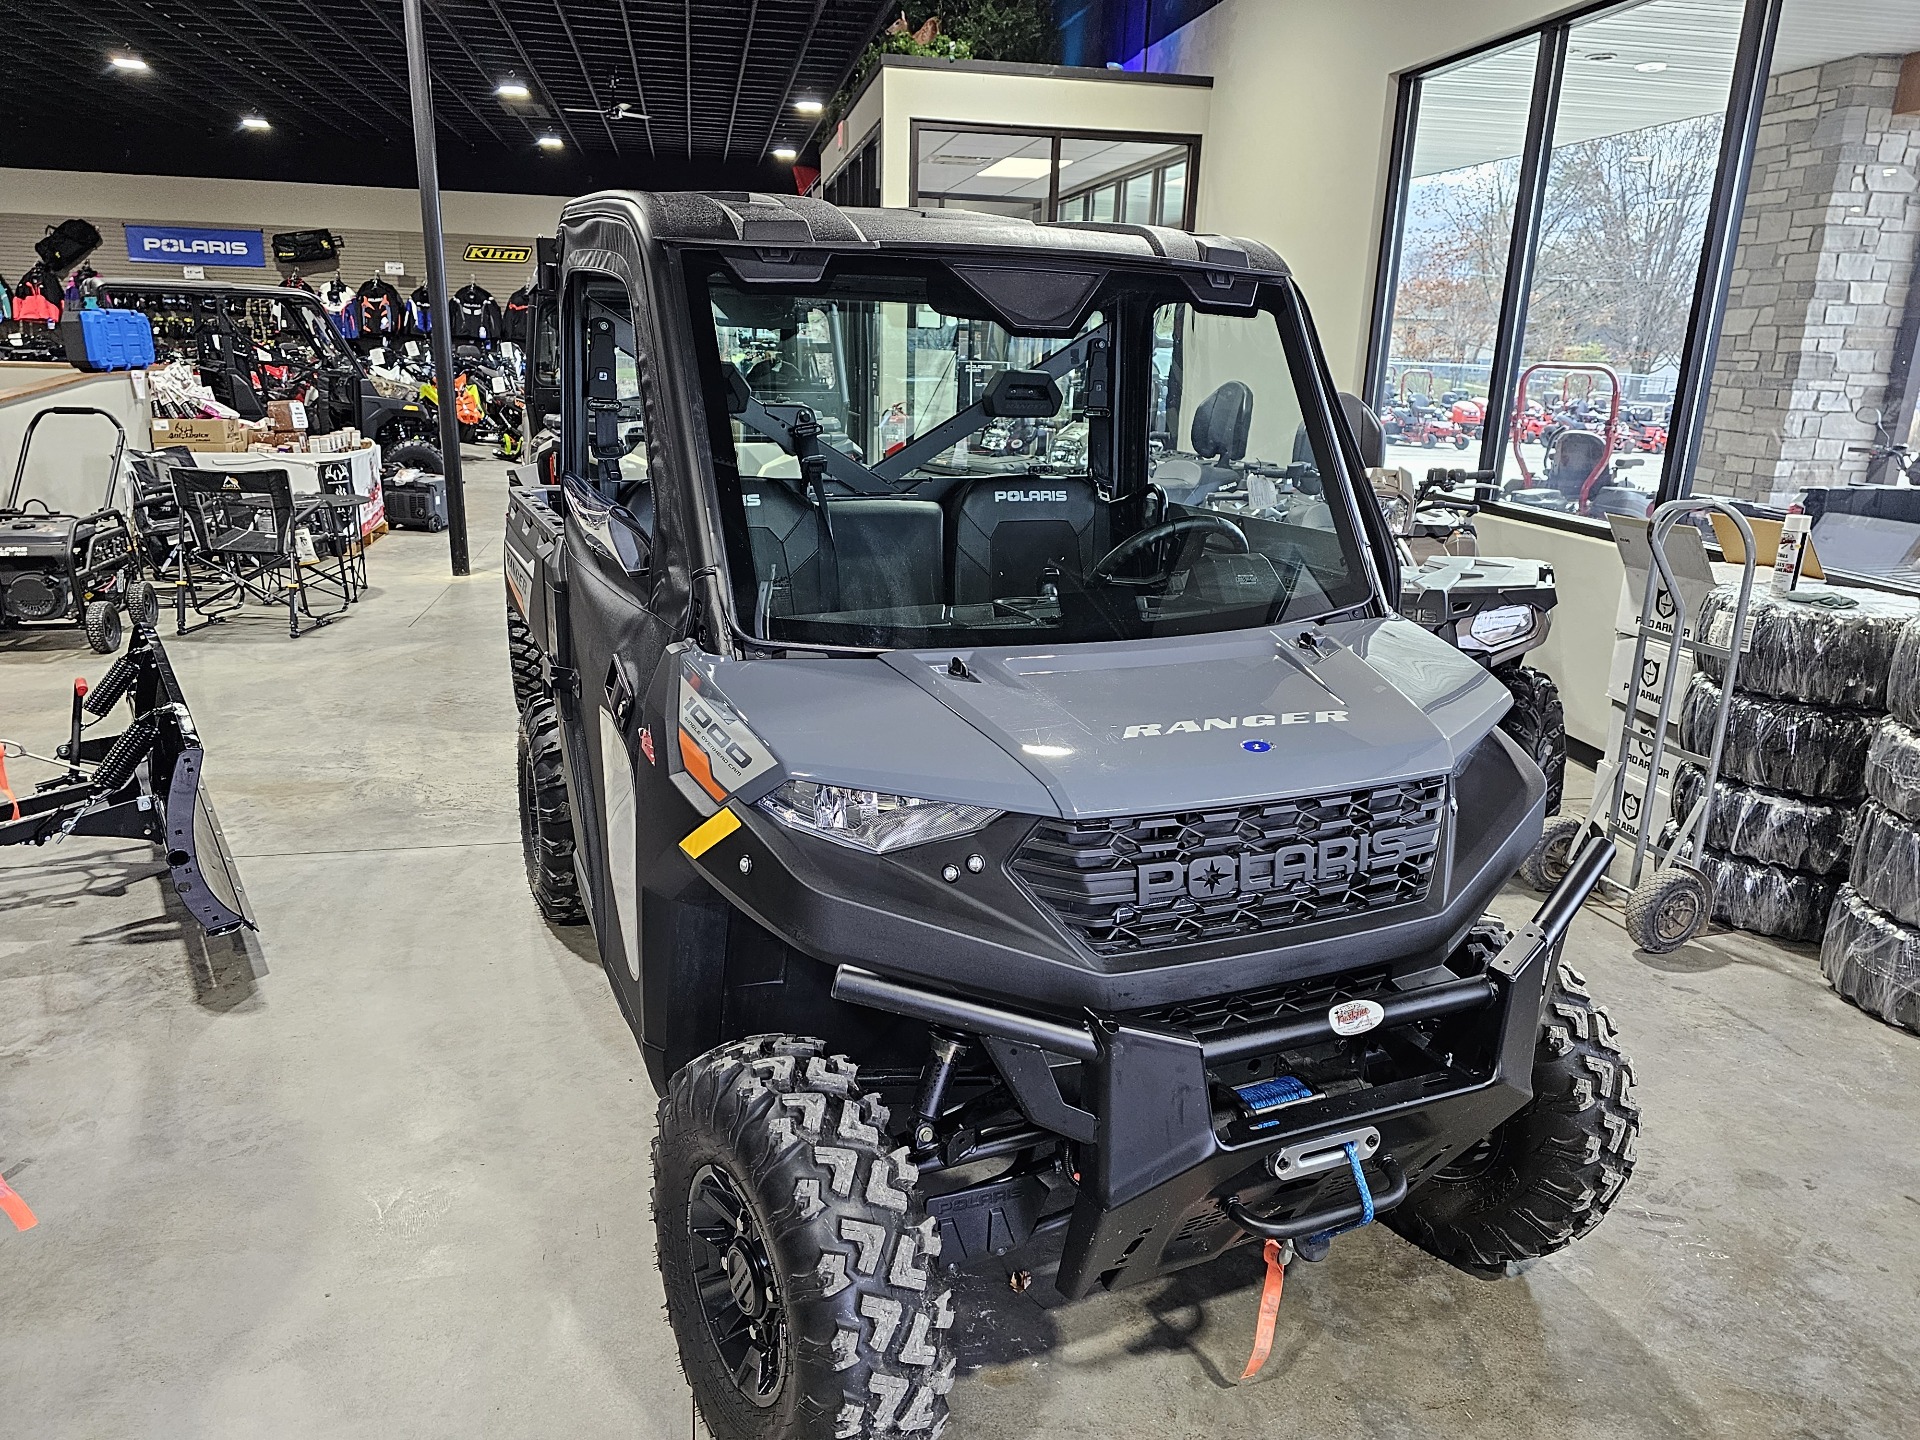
476 315
342 308
420 311
296 281
516 321
378 311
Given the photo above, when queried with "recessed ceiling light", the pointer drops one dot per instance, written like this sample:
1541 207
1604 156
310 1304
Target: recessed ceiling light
127 62
551 142
1651 67
255 122
808 107
785 154
1017 167
512 90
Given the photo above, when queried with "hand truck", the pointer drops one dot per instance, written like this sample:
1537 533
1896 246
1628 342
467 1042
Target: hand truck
1673 904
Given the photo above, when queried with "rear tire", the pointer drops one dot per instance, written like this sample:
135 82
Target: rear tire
103 626
1549 1173
523 657
1537 722
546 817
798 1259
418 455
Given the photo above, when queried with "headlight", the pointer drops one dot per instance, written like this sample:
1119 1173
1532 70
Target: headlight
870 819
1501 625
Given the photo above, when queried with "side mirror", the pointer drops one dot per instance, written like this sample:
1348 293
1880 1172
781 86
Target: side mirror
1869 414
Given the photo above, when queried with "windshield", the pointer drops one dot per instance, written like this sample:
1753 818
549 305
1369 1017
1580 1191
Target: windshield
895 470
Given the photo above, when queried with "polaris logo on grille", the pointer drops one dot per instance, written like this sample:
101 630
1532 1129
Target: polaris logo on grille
1057 496
1214 877
1234 722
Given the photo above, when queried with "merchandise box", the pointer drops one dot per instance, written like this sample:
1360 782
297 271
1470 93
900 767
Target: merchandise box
287 415
1652 677
224 436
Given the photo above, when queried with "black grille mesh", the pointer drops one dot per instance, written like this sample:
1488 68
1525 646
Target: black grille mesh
1089 872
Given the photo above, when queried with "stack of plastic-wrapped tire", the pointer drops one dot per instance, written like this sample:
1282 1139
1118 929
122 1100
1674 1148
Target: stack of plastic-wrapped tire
1808 699
1871 954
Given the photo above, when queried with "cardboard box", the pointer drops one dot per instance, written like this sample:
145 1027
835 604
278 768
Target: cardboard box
286 415
226 436
1652 678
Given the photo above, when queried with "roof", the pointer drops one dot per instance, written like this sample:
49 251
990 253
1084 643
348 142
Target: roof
739 217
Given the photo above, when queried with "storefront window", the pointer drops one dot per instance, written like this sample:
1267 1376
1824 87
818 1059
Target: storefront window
1455 234
1636 148
1815 379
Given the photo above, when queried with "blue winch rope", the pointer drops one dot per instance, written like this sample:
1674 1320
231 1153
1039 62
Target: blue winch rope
1366 1195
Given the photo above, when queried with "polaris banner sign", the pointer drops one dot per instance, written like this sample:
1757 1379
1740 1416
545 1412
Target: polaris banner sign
188 245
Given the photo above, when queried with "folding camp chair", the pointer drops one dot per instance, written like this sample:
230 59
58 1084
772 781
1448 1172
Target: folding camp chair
248 540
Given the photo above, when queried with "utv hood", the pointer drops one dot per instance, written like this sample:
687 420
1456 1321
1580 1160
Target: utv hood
1126 728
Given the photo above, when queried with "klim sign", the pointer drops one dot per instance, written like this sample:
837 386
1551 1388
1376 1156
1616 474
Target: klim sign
183 245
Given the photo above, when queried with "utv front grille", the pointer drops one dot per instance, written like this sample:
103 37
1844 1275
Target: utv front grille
1148 882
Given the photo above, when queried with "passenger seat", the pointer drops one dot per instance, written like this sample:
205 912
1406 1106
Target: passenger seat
1007 531
888 551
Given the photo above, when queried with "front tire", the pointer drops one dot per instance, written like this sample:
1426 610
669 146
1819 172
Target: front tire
1537 722
546 817
1549 1173
798 1259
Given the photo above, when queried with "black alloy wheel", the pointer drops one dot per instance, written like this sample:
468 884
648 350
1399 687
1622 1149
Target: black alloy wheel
737 1285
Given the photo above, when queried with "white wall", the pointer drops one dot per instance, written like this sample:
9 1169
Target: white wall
1301 124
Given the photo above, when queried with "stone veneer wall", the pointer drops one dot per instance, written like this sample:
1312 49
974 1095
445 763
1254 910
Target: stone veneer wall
1827 253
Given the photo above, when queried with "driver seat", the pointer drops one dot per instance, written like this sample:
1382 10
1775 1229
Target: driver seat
1219 435
1577 455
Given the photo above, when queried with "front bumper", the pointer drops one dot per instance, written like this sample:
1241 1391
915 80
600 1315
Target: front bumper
1169 1179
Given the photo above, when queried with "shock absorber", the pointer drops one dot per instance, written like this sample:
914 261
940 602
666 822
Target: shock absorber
946 1050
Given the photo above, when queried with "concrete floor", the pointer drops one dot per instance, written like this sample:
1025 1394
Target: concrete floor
384 1171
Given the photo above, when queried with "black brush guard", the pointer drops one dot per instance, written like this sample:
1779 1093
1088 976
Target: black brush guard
1166 1180
146 784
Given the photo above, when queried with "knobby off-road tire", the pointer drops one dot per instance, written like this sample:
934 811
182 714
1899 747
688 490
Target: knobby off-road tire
418 455
546 817
143 604
1537 722
833 1249
523 656
103 626
1548 1174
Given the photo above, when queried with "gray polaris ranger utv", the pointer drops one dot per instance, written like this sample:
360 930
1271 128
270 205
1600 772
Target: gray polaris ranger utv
1000 861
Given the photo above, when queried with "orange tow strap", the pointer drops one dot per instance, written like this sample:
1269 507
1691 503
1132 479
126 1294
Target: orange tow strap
15 1209
1269 1310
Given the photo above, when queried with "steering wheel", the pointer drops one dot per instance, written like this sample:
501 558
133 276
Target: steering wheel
1210 525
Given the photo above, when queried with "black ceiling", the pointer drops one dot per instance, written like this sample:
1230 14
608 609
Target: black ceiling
714 79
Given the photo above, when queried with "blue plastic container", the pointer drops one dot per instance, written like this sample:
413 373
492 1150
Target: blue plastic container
108 339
